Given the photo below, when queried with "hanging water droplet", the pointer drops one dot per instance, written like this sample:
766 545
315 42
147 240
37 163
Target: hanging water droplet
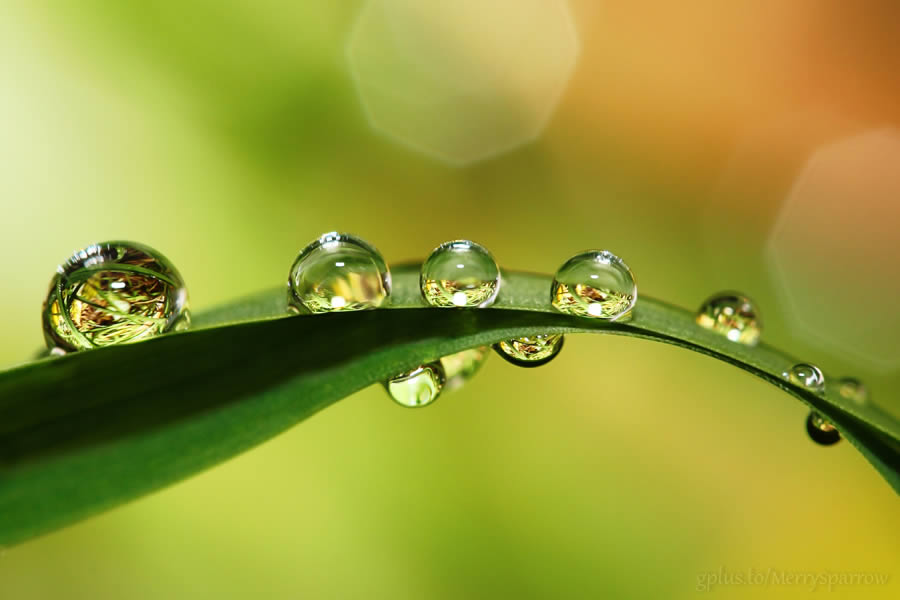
460 367
531 351
594 283
808 376
419 387
113 293
731 315
853 389
821 430
461 274
336 273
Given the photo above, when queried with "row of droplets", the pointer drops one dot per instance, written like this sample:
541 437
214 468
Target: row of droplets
341 272
122 292
735 317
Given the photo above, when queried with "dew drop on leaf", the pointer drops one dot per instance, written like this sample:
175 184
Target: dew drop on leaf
460 274
820 430
531 351
418 387
596 284
808 376
731 315
113 293
460 367
338 272
853 389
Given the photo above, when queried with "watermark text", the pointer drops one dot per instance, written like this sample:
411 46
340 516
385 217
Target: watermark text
770 577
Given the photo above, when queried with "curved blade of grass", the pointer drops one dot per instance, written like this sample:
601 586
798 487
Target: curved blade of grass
85 432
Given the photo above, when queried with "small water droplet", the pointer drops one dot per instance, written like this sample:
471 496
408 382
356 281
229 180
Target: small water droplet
418 387
460 367
461 274
531 351
821 430
338 272
731 315
594 283
853 389
808 376
113 293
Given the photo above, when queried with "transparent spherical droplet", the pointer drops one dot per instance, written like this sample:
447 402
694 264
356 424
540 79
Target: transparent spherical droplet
460 274
596 284
820 430
113 293
336 273
419 387
531 351
460 367
731 315
808 376
853 389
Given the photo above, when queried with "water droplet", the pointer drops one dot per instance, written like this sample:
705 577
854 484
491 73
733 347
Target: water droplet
820 430
460 367
808 376
594 283
338 272
853 389
531 351
731 315
462 274
419 387
113 293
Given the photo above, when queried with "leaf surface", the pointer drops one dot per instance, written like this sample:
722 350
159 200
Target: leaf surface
88 431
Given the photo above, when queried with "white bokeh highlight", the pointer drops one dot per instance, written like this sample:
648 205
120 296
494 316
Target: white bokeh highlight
835 248
463 80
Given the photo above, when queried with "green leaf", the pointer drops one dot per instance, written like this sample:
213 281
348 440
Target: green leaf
88 431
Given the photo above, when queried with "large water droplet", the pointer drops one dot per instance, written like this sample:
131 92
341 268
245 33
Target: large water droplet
731 315
853 389
820 430
338 272
419 387
460 367
595 283
808 376
460 274
113 293
531 351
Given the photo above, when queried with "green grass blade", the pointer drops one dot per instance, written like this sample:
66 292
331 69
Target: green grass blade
88 431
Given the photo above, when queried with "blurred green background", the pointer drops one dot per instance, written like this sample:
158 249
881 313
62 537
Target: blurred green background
228 135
